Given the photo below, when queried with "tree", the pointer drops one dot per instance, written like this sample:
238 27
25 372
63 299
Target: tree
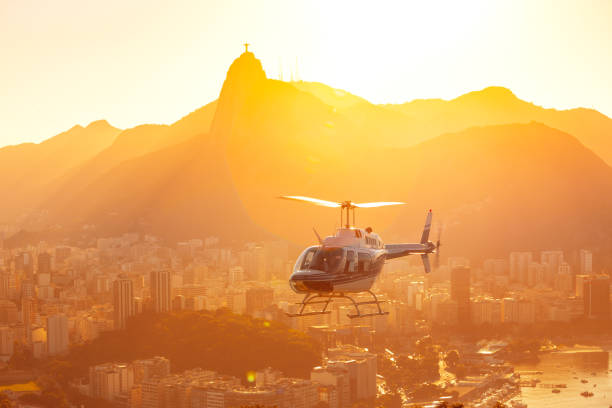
444 404
52 393
5 402
389 400
218 340
460 370
22 358
452 358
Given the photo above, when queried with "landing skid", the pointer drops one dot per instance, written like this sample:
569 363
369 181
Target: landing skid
309 299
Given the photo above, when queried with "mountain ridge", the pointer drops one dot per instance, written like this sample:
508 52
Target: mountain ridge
27 169
485 161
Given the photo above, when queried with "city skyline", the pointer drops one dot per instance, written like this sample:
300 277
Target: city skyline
99 285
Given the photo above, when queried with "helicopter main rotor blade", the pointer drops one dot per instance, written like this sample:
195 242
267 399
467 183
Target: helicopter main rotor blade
315 201
378 204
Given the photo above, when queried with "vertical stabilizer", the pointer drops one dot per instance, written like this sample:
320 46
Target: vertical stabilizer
425 236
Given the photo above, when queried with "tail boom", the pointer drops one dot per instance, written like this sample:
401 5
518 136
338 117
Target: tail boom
422 248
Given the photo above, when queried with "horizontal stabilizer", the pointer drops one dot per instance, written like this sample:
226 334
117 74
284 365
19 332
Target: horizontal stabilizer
425 259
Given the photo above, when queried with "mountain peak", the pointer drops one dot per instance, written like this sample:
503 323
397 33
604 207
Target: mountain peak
243 77
244 70
102 123
496 94
497 90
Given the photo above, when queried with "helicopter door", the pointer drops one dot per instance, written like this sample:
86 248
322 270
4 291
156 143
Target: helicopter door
363 262
349 266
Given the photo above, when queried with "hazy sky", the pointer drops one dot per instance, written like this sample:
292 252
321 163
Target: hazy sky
67 62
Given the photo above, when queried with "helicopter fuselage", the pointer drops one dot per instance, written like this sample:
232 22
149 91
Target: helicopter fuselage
348 262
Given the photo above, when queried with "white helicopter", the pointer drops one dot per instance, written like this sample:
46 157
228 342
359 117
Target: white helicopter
350 261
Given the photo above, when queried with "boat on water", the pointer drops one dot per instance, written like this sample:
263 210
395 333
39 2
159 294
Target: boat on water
553 385
586 394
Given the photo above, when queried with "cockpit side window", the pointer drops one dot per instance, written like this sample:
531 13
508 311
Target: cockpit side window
308 258
330 260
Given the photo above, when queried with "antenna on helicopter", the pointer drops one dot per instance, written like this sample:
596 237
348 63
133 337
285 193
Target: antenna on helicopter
348 205
318 236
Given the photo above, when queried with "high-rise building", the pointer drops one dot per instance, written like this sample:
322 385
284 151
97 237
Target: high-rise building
328 394
519 264
7 340
61 254
535 274
486 311
152 367
195 303
123 300
564 282
178 303
24 263
236 300
586 262
460 293
27 289
5 284
276 253
580 280
235 275
109 380
44 263
339 378
597 297
28 308
57 334
495 267
517 311
361 366
445 312
258 299
253 397
161 290
553 259
8 312
298 393
151 389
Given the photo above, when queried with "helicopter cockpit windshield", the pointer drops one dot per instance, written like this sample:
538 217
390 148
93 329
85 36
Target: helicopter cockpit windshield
330 260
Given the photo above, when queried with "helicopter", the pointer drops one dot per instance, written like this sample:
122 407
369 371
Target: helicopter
349 262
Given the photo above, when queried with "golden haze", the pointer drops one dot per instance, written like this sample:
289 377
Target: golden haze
486 161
